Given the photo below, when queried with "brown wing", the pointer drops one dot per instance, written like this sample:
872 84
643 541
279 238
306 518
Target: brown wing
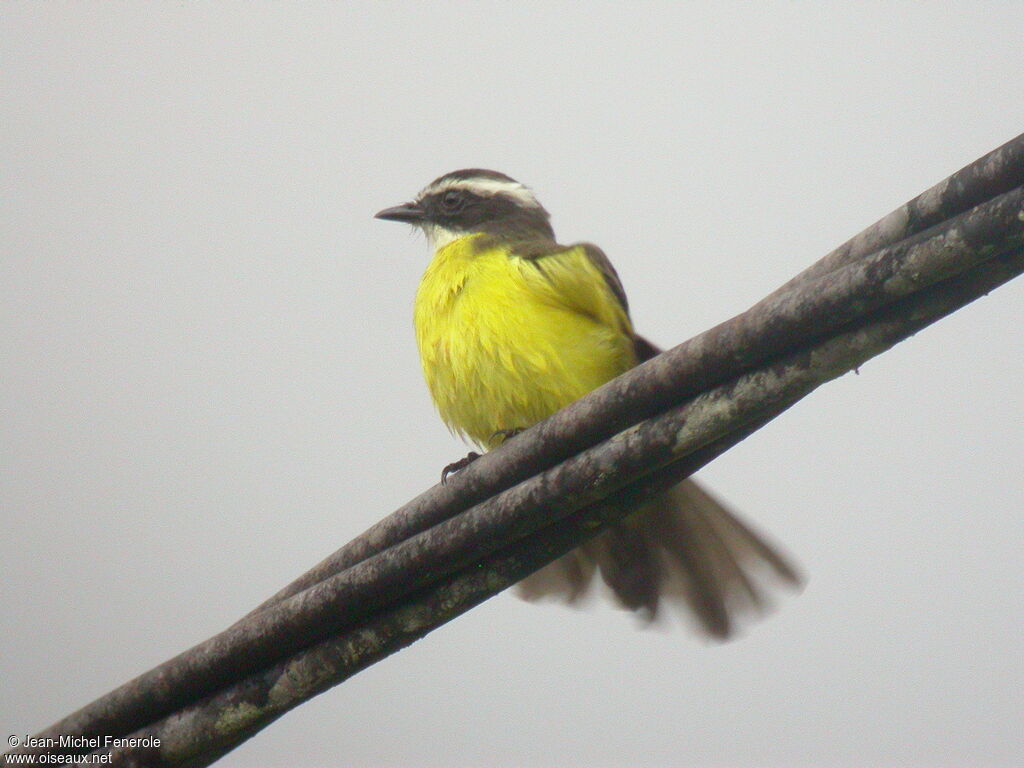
604 265
644 349
537 250
582 295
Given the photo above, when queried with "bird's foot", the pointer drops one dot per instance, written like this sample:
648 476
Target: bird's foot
455 466
505 434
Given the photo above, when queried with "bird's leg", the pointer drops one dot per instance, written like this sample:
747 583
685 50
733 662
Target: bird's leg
505 434
472 456
455 466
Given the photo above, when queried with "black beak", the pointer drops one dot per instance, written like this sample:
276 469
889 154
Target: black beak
411 213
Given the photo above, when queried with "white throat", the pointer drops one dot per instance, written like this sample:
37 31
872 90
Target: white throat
439 237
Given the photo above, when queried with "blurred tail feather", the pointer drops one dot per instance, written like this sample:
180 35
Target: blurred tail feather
684 546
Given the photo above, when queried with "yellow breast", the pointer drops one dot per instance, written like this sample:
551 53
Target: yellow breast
506 341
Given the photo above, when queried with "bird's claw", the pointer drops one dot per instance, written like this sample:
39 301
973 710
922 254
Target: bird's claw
455 466
505 434
472 456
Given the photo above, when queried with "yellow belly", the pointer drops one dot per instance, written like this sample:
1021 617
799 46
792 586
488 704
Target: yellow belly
504 344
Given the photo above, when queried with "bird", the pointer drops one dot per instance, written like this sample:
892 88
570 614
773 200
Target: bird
511 327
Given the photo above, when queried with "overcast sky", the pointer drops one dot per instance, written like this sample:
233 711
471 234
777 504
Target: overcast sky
210 381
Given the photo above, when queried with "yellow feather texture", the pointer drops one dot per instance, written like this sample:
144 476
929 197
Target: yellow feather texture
507 341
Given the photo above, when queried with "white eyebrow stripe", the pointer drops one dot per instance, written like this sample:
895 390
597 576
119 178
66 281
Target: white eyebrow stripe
486 188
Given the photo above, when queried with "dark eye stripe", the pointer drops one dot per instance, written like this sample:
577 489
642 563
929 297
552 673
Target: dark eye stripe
452 201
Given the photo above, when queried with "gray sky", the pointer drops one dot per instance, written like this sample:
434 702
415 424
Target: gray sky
210 378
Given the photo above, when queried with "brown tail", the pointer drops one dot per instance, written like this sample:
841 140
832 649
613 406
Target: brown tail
684 546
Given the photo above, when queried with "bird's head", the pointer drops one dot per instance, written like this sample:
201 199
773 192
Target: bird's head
470 201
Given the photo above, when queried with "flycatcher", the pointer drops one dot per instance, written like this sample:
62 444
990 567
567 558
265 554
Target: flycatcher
511 327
